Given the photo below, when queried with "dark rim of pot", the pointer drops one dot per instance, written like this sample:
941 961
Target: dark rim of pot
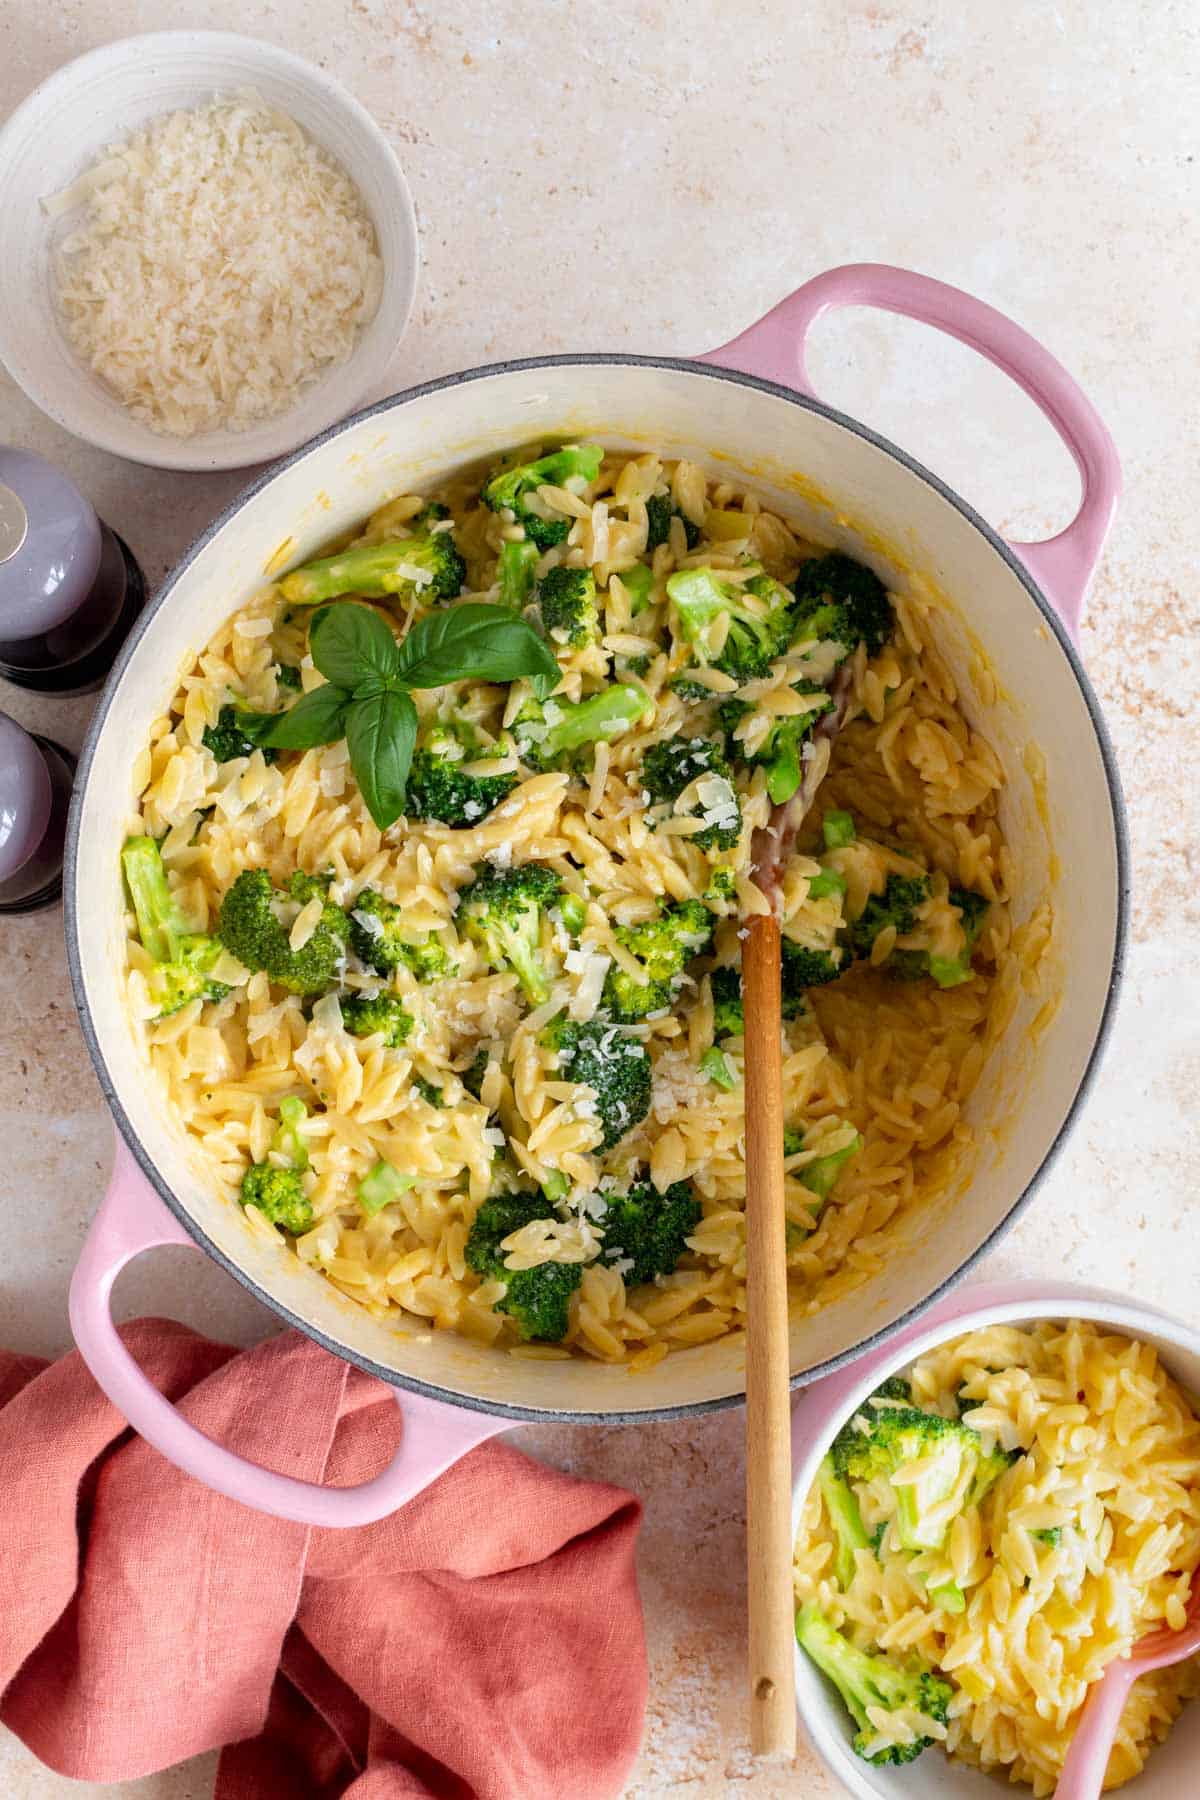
707 371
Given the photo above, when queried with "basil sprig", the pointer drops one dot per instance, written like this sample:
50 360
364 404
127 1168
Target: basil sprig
368 676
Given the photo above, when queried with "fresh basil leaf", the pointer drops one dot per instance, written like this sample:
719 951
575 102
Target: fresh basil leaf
380 733
317 718
473 642
350 643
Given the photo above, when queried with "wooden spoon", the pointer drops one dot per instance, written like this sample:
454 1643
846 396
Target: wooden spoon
768 1361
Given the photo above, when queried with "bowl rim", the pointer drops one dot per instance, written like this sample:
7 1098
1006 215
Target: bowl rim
819 1412
881 1336
276 437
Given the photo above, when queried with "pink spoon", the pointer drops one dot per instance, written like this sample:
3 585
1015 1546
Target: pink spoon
1087 1760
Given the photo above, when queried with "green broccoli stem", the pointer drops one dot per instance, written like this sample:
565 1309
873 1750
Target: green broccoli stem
716 1067
288 1140
846 1519
514 572
638 583
598 719
382 1186
161 925
867 1680
371 569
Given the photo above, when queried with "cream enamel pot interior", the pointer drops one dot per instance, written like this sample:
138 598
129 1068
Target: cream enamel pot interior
843 484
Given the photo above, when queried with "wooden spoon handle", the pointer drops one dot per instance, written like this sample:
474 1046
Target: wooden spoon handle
768 1398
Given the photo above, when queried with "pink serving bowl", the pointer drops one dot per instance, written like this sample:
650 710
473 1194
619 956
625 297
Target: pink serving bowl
822 1409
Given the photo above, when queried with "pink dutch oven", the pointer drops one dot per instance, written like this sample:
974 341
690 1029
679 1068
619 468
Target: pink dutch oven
750 405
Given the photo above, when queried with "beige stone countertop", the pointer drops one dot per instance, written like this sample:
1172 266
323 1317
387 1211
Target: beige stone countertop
651 177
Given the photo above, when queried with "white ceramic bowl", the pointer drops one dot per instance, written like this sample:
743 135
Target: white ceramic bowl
821 1410
58 131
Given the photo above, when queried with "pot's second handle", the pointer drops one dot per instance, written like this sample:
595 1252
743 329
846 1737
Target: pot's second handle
132 1219
1062 566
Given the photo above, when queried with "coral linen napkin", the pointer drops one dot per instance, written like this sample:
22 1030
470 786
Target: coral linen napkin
485 1641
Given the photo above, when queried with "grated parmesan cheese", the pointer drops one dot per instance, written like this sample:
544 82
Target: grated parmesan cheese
223 261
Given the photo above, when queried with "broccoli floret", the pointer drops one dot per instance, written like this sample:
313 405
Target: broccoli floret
894 1388
238 733
513 489
864 1679
754 620
432 513
279 1195
670 767
845 1518
380 938
731 712
567 602
660 510
988 1472
802 969
437 786
897 1435
722 886
288 676
514 572
629 999
249 929
779 752
277 1191
429 1091
664 946
649 1228
183 959
897 905
502 912
473 1074
687 687
729 1015
946 971
613 1064
426 567
837 829
1050 1535
857 601
572 910
537 1300
553 734
363 1015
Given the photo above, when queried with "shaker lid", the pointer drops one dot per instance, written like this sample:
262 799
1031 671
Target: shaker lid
49 546
25 797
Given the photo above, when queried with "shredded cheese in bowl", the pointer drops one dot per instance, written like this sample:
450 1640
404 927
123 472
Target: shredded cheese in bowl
221 263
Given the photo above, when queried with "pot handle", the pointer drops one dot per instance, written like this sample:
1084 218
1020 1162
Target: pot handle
773 348
131 1219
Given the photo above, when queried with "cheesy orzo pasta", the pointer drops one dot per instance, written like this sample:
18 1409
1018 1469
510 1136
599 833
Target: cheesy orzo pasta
504 1029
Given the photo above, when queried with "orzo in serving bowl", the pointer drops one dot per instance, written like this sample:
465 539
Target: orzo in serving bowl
462 1020
988 1531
